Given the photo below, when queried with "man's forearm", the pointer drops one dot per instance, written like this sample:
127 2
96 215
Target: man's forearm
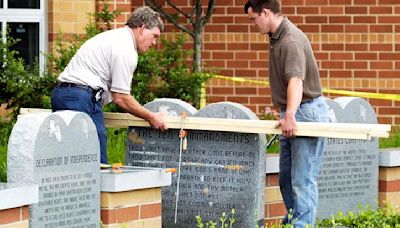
294 95
130 105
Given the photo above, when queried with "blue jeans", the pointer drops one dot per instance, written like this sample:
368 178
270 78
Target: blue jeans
300 160
80 99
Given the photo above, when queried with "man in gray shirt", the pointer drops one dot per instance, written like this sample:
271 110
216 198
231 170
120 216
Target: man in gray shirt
296 90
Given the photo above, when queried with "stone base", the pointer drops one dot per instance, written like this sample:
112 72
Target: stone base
154 222
15 217
136 208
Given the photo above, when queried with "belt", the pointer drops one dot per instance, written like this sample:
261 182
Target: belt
309 101
67 84
97 94
303 102
306 102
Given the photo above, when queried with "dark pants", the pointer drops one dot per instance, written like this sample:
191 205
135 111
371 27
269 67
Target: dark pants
82 99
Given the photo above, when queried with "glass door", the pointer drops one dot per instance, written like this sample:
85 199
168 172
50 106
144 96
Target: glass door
25 20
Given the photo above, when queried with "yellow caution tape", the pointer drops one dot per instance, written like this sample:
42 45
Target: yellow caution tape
235 79
383 96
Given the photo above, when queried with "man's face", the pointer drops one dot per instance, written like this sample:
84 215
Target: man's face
260 21
148 38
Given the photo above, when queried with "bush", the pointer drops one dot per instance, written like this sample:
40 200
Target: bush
385 217
22 85
224 221
165 73
273 145
392 141
116 145
5 131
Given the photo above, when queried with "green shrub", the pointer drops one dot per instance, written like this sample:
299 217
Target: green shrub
5 131
392 141
116 145
165 73
224 221
384 217
272 140
22 85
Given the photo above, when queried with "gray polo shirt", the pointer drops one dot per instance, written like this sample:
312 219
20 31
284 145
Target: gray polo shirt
290 56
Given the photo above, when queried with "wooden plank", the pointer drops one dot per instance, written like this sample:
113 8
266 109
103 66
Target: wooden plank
253 123
332 130
32 110
354 131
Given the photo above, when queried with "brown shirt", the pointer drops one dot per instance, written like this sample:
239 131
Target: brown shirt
290 56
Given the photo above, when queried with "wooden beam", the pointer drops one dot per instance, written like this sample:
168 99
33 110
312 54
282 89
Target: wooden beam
331 130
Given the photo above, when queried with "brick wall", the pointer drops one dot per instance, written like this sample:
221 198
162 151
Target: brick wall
123 6
356 43
138 208
15 217
69 17
389 186
274 207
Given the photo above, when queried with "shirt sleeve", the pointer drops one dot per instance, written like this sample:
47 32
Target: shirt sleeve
294 58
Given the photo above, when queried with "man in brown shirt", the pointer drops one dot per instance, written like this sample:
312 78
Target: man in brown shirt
296 90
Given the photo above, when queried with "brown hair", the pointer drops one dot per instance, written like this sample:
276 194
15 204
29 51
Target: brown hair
259 5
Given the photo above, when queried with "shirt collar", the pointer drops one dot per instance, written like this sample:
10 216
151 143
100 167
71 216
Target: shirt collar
132 35
276 35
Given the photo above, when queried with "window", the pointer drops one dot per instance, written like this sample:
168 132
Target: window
24 4
26 20
28 34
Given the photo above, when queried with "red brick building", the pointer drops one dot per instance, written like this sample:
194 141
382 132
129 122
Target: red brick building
356 43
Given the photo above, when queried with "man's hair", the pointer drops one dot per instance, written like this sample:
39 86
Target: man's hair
145 16
259 5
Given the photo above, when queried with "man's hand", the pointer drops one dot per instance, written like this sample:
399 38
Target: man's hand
294 94
157 121
288 125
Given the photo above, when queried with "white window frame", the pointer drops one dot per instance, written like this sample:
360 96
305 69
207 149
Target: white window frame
28 15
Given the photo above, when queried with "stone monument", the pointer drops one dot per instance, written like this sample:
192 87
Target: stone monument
220 171
60 153
349 170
